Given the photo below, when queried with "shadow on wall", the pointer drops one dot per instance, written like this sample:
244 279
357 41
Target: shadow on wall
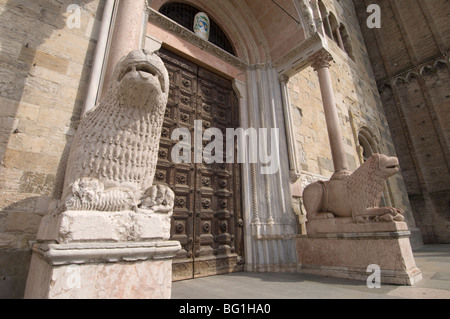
44 72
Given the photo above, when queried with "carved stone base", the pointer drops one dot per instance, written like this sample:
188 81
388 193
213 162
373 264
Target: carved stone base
347 225
91 254
82 226
348 254
101 271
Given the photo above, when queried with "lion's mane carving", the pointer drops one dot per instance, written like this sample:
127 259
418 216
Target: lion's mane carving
357 195
117 143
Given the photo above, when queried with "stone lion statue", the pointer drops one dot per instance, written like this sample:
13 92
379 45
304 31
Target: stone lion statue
357 195
113 157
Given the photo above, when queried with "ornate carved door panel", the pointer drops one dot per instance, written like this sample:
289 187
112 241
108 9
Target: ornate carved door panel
207 214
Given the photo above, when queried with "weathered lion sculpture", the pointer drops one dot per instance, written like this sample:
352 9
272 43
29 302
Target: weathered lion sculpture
357 195
113 157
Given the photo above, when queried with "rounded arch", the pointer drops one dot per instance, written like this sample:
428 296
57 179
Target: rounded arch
346 41
425 69
333 20
439 63
383 87
334 25
368 143
400 80
323 9
412 75
325 19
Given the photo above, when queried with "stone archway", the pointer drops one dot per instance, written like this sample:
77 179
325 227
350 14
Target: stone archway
264 51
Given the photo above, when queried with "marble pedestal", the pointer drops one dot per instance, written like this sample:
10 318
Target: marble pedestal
102 255
338 247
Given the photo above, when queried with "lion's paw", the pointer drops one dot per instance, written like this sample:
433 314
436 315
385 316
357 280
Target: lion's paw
159 199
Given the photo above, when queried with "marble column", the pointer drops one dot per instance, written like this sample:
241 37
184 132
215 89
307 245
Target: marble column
339 39
327 24
127 35
99 57
294 168
248 171
321 64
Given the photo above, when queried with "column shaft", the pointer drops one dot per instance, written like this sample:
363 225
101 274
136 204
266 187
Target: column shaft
321 63
127 35
339 39
329 32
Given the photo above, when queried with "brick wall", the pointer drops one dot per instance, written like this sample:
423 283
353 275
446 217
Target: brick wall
44 70
409 54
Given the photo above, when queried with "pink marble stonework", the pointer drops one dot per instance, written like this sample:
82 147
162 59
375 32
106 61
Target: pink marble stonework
133 270
347 249
122 280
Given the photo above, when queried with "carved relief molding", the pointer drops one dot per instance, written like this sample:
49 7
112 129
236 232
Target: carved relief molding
307 16
181 32
299 56
414 70
308 178
321 59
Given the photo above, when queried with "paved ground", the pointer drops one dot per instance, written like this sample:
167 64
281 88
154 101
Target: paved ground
433 260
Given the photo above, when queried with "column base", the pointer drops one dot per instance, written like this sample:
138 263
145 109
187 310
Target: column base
141 270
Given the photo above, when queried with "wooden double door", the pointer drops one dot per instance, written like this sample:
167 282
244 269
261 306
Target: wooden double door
207 218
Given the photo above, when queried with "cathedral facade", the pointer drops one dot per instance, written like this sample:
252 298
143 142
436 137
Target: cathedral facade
321 84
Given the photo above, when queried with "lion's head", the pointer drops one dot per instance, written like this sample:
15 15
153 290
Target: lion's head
376 169
366 184
388 165
141 77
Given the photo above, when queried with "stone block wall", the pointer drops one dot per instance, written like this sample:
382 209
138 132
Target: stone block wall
359 106
44 70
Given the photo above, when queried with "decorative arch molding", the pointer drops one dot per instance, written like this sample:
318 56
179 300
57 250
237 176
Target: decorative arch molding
400 80
382 87
369 145
416 72
368 141
412 75
441 62
241 25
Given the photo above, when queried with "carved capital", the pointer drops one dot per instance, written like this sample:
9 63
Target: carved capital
294 175
283 78
321 59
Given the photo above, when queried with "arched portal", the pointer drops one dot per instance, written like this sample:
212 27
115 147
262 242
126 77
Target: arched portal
265 36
